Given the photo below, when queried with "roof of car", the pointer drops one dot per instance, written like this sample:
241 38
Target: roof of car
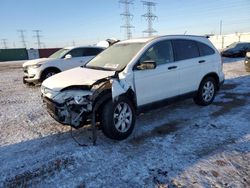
72 47
148 39
138 40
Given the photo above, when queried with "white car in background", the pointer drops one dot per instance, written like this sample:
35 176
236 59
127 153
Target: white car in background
38 70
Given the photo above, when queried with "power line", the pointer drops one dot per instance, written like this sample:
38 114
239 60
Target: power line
21 31
127 16
4 41
149 16
38 36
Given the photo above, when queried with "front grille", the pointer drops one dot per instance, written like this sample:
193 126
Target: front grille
52 109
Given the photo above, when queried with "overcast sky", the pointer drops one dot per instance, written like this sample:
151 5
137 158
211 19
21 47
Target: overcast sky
88 21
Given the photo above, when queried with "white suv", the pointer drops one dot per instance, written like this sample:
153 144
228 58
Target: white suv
133 76
38 70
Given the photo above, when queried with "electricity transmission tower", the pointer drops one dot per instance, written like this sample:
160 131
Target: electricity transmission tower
149 16
4 41
21 31
38 36
127 16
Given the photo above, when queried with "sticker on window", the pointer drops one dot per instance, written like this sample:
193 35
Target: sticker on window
111 66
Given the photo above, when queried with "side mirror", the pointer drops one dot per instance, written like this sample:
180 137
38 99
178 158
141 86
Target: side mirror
149 64
68 56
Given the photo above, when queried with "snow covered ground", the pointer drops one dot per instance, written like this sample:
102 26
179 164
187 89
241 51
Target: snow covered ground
181 145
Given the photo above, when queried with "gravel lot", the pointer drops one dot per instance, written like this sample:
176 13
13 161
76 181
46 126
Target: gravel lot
181 145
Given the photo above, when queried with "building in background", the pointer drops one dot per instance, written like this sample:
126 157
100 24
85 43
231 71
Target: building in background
222 41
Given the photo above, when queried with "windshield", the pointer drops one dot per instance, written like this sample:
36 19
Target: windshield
59 54
232 45
115 57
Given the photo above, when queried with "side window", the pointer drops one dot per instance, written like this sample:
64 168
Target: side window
185 49
205 49
160 52
76 52
92 51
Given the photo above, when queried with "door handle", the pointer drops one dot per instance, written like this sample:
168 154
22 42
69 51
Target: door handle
202 61
172 67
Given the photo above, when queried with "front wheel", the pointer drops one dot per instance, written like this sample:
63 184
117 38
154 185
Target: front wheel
48 74
118 118
206 92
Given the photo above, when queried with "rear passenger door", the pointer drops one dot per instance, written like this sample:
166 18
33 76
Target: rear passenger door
188 60
208 59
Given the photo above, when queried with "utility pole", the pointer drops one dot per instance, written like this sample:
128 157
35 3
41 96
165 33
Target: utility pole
127 16
221 27
222 42
149 16
4 41
38 36
21 31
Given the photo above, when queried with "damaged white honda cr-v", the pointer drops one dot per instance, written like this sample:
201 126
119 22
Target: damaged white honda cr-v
133 76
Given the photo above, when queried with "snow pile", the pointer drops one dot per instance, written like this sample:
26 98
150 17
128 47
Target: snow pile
178 145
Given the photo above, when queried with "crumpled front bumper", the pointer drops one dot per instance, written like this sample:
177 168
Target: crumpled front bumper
53 110
63 115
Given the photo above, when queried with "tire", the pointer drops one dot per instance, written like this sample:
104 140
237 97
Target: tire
48 73
116 123
206 92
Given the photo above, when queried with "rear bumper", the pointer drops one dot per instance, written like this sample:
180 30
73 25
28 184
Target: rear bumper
221 79
221 84
247 65
247 69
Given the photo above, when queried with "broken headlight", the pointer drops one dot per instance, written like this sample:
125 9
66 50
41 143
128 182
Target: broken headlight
76 96
80 99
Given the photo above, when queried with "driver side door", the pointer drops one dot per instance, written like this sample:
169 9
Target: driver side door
154 85
76 59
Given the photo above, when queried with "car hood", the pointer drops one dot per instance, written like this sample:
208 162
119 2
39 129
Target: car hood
36 61
75 77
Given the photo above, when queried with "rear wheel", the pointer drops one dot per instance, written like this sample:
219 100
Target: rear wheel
206 92
118 119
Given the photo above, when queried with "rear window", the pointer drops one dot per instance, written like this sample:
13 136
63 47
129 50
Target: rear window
185 49
205 49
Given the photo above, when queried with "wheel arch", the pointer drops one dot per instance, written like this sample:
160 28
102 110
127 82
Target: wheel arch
47 69
213 75
106 95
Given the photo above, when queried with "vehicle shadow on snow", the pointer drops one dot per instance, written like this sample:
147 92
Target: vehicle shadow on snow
165 143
